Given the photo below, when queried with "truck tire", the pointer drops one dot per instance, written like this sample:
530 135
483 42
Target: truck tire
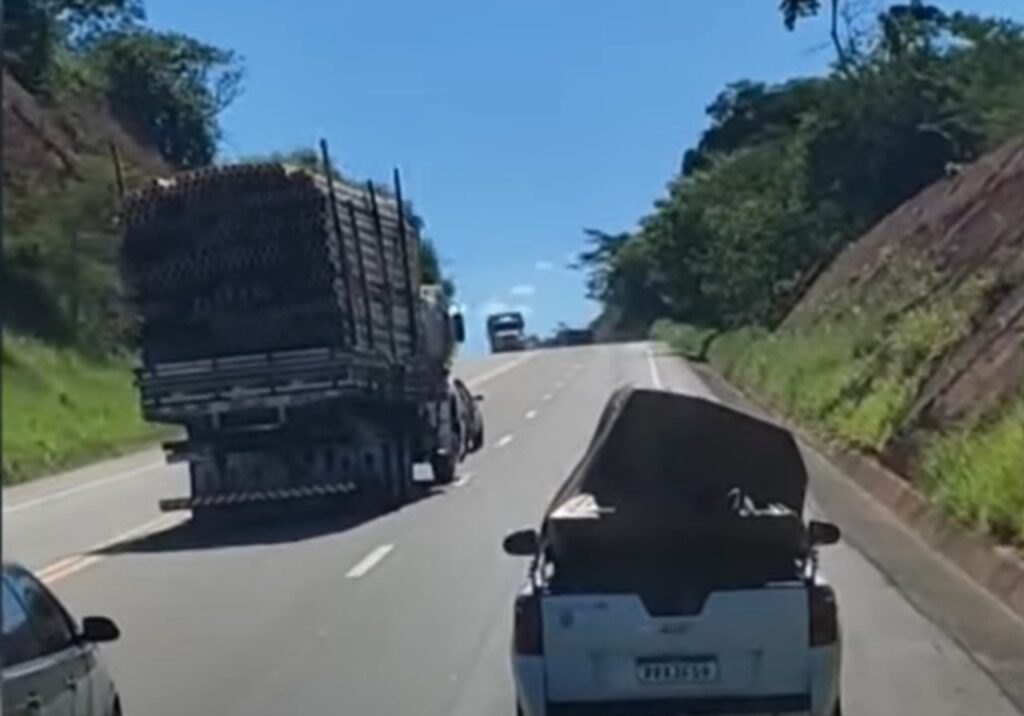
400 472
443 467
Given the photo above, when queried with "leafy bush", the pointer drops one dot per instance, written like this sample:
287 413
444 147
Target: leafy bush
975 472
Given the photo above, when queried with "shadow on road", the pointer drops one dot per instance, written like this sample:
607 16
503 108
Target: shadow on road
247 528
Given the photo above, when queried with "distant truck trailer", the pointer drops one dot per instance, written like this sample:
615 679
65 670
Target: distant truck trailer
506 331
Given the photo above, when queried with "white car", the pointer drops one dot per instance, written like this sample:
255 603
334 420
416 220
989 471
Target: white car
52 666
604 629
770 649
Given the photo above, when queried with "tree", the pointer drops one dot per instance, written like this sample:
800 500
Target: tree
794 10
36 32
785 176
171 88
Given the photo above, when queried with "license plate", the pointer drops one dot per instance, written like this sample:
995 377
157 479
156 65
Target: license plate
676 671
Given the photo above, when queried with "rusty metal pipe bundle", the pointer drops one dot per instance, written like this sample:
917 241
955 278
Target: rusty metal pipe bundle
265 257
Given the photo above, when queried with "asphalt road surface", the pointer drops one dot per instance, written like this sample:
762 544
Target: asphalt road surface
409 612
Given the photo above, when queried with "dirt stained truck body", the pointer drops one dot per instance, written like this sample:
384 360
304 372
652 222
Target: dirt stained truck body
283 326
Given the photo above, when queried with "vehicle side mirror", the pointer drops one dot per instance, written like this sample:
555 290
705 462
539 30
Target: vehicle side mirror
478 398
823 533
523 543
97 629
459 326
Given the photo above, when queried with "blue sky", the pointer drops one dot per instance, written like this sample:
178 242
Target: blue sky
515 125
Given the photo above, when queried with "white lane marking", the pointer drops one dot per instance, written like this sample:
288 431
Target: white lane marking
77 562
505 440
44 499
369 561
464 479
655 377
531 414
504 368
577 366
546 397
558 385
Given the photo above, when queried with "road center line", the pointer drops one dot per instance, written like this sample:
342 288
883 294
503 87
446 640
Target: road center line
370 561
546 397
531 414
76 563
116 477
505 440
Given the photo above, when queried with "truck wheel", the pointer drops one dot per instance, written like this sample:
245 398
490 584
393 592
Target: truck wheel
443 467
400 473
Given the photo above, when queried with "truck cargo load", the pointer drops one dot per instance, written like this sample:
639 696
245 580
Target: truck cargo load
674 477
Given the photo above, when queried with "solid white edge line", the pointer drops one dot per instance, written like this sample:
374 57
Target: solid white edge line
369 561
44 499
655 377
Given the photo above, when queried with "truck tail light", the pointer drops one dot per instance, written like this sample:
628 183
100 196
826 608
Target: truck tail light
824 617
527 629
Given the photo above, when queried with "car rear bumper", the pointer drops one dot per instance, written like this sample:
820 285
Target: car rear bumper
786 704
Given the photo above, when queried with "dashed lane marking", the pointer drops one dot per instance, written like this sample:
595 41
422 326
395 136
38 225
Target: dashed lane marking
370 561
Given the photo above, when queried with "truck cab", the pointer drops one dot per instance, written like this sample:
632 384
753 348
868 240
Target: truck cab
506 332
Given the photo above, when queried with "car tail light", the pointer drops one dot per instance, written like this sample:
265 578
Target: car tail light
824 617
527 627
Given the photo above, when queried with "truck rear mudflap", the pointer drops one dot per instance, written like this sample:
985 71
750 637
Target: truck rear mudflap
732 648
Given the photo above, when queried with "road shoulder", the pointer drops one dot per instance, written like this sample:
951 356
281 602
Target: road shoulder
985 628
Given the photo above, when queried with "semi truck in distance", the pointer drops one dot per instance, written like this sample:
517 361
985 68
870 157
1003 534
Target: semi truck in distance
284 329
506 332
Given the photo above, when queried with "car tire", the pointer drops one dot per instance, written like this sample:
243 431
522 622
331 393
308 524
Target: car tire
838 710
116 711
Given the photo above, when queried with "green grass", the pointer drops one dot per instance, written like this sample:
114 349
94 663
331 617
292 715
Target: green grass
852 377
977 473
61 409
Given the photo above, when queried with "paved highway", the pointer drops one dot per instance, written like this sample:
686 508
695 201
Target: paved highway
409 613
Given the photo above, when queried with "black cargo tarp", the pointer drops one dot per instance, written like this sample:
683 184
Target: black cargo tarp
667 473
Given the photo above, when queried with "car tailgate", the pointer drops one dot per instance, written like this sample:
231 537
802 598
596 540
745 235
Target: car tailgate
743 642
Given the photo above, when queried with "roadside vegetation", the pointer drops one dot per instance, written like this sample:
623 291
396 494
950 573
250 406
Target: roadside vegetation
85 75
61 408
788 176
